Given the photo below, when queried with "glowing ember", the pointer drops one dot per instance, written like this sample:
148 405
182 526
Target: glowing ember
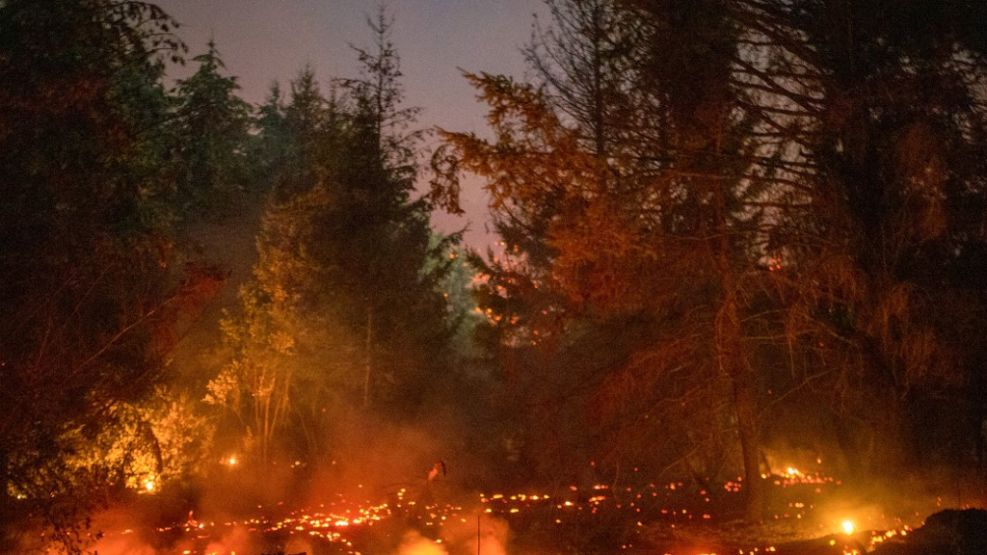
342 523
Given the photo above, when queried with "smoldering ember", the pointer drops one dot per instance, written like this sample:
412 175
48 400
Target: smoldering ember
520 277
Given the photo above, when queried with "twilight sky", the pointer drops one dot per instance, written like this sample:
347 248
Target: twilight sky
264 40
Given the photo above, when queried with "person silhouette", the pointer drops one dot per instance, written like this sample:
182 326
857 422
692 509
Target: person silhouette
439 468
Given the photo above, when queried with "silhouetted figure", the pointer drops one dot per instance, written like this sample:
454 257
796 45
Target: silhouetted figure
438 468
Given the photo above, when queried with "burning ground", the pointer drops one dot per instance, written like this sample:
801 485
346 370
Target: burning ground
728 232
810 512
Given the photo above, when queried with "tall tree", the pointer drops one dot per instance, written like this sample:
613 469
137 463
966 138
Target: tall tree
305 137
876 121
345 309
273 335
87 278
690 63
380 240
211 136
268 151
623 189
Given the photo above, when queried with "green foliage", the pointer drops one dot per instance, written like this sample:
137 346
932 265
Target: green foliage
146 446
269 148
90 283
345 308
211 138
282 339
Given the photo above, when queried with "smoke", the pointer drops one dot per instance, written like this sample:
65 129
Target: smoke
414 543
121 544
125 533
298 545
479 533
237 540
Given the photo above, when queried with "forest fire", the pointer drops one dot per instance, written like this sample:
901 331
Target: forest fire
669 517
729 296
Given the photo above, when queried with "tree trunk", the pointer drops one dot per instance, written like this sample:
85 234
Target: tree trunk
749 446
848 444
733 364
732 360
368 357
265 437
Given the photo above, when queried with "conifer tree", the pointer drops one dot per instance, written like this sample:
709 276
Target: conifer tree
269 150
88 283
345 308
382 255
211 137
620 182
874 115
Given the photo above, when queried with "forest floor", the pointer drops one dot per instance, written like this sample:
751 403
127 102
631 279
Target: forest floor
809 513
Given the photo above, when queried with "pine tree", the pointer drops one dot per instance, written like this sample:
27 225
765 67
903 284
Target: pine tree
268 150
873 113
618 185
379 239
87 278
345 310
305 135
211 137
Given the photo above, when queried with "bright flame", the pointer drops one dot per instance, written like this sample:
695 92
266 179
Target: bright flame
232 460
847 526
792 471
149 485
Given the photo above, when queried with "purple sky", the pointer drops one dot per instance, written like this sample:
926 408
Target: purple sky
263 40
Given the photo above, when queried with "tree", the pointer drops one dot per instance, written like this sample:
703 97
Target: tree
281 341
620 177
379 241
90 279
306 134
211 136
345 309
708 159
875 121
269 148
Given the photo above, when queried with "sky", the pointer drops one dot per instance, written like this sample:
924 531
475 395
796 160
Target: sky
264 40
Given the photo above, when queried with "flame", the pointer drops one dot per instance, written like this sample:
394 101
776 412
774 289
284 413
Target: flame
344 520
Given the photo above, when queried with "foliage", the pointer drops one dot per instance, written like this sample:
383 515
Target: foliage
769 211
345 307
874 120
95 290
211 137
164 440
609 234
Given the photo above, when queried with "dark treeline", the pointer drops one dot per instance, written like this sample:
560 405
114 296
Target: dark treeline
110 174
733 224
729 227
